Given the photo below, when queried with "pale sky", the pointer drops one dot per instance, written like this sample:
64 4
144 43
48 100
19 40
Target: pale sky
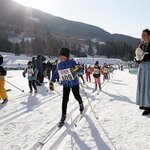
127 17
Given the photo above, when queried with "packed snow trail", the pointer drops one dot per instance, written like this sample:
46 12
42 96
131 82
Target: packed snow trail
52 135
121 120
119 116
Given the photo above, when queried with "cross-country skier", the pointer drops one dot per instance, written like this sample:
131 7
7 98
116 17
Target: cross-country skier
32 76
3 73
66 69
97 71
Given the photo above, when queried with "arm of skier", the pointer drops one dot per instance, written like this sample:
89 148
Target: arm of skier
24 73
75 67
102 71
54 77
3 72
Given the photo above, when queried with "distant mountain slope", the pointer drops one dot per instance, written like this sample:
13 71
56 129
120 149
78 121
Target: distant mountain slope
37 22
128 39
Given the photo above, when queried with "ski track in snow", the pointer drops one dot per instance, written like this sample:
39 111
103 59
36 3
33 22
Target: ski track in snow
28 119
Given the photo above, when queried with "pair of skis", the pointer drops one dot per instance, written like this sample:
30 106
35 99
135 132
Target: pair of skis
59 126
96 92
77 120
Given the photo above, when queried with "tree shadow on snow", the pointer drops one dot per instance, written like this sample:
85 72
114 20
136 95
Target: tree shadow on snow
2 106
117 80
119 98
32 103
100 144
114 82
42 90
88 87
82 145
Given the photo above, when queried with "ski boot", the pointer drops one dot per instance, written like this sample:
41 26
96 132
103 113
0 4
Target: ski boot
30 91
95 88
81 107
62 121
5 101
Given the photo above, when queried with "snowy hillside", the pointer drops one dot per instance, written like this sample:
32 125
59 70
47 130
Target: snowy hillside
27 119
10 60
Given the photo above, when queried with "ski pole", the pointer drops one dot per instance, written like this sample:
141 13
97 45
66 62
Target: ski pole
14 86
57 92
88 101
97 117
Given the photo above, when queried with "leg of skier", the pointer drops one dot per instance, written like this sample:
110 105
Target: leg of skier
77 96
66 92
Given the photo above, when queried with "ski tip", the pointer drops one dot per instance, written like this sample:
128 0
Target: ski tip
41 143
60 125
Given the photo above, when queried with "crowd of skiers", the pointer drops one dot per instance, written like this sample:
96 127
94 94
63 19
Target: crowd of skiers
38 68
67 72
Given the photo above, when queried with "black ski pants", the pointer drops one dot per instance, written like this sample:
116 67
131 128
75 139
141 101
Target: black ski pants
32 83
66 92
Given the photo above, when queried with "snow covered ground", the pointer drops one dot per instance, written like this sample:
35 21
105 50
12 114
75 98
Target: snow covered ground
28 118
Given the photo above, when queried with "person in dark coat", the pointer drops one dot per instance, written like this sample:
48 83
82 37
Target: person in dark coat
49 69
39 65
54 66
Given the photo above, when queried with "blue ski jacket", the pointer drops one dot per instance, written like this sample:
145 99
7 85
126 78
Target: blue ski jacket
68 64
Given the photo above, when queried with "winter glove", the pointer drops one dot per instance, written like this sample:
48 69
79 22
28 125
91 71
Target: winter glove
51 85
75 68
33 74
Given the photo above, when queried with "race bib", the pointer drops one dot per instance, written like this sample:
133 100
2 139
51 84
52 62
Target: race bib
96 71
65 75
30 71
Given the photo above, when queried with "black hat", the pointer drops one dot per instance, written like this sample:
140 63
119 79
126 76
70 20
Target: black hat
64 52
29 62
1 59
97 62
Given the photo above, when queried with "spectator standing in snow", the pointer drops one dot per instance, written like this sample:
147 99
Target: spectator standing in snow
33 62
54 66
81 72
32 75
3 73
88 74
143 85
49 69
39 66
